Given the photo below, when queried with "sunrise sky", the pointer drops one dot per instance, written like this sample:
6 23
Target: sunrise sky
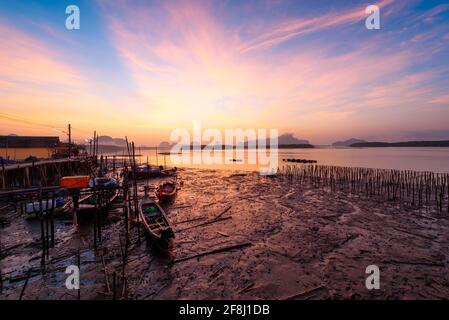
141 68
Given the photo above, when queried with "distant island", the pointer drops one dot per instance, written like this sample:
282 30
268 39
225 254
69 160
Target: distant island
246 146
290 139
285 141
296 146
442 143
117 149
348 143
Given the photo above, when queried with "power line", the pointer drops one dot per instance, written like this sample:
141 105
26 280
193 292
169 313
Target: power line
29 122
60 129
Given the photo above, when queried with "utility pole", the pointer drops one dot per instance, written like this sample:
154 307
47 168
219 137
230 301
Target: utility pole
70 140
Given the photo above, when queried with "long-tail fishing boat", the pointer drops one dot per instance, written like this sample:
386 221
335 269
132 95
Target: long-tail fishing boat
155 223
166 190
104 184
147 171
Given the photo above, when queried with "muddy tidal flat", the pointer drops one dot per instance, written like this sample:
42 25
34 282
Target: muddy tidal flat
239 236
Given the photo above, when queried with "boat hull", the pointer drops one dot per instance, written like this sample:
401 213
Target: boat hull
156 225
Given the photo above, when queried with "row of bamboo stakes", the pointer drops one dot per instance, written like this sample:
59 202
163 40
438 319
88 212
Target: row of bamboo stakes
414 188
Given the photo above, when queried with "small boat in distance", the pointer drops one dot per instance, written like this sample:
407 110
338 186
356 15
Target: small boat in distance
147 171
155 223
166 190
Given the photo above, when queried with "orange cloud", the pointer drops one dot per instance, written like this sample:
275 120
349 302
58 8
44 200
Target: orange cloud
188 66
38 82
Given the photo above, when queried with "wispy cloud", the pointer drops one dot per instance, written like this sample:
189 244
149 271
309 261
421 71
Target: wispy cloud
188 65
28 61
190 60
39 81
280 32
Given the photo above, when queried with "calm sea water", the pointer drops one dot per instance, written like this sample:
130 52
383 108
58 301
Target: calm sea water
420 159
23 153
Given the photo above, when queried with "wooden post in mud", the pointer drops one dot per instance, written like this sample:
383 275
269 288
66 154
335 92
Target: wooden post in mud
3 176
47 227
136 197
41 217
95 142
114 286
52 219
97 151
95 222
79 269
130 209
25 284
99 213
126 213
95 233
446 179
1 277
101 166
124 253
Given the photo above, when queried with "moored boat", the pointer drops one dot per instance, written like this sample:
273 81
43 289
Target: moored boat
90 201
147 171
103 183
169 172
166 190
155 223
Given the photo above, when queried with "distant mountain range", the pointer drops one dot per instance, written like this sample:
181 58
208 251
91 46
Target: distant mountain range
285 141
347 143
109 141
288 138
439 143
359 143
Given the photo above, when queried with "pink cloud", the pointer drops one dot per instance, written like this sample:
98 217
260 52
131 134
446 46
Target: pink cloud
188 65
25 60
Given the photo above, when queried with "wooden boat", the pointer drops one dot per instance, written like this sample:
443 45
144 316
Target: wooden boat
87 203
169 172
147 171
166 190
103 183
155 223
33 209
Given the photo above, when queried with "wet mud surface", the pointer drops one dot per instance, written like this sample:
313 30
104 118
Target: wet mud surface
299 242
